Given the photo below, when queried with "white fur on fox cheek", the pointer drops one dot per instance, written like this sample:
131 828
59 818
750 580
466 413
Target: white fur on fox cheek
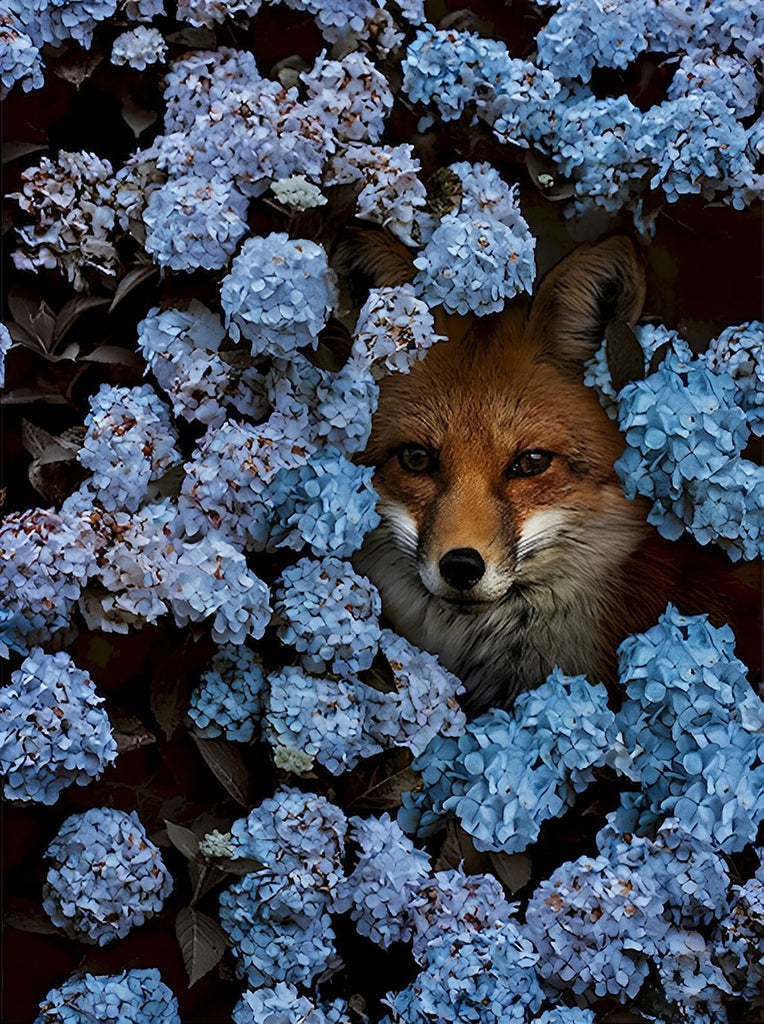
402 525
539 531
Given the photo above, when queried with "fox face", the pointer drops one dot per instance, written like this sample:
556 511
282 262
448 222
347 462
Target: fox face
505 534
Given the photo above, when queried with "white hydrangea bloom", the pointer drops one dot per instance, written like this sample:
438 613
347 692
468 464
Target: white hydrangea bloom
139 48
352 94
335 18
143 10
207 12
298 193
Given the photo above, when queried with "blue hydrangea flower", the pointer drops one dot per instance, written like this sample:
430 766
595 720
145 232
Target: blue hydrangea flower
54 21
379 890
192 222
283 1002
350 94
739 938
182 349
139 48
509 772
130 442
299 835
452 903
651 338
694 726
595 926
393 331
330 613
727 75
278 294
484 977
53 730
329 503
566 1015
422 705
106 876
19 56
692 980
138 996
472 264
739 351
584 34
318 716
683 430
207 12
229 700
278 931
6 341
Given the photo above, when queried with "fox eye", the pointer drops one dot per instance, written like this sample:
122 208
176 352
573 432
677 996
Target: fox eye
530 463
416 458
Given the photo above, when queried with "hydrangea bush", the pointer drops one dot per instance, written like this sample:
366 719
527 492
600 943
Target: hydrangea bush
351 837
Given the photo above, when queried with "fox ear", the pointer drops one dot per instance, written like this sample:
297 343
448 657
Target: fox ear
577 299
379 258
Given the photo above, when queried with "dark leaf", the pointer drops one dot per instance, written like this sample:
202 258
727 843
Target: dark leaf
35 439
15 150
380 676
129 732
228 765
76 65
114 354
546 177
168 485
73 309
137 117
458 848
388 778
204 878
26 916
34 316
202 942
167 703
193 38
185 840
658 356
25 396
625 358
512 869
131 280
237 865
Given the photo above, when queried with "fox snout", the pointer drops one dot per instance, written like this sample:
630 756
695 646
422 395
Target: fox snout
462 568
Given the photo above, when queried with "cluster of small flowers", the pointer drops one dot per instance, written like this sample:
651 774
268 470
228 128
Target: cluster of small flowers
182 350
229 700
393 331
329 613
684 433
6 342
53 730
46 559
481 976
106 876
130 442
509 772
54 21
71 201
192 222
739 351
278 294
739 945
138 996
298 193
351 95
694 725
19 56
278 919
206 12
139 48
390 194
491 229
284 1003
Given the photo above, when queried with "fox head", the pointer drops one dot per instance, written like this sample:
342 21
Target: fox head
502 517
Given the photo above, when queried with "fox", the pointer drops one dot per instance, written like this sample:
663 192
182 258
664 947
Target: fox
506 546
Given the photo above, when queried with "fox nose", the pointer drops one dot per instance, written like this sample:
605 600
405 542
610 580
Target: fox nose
461 568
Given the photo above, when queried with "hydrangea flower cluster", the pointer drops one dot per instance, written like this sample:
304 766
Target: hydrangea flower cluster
317 717
19 56
351 94
53 729
139 48
183 350
393 331
6 342
46 559
330 613
130 442
379 889
138 996
283 1002
207 12
278 920
106 876
738 941
684 431
279 294
423 703
482 977
229 700
490 228
192 222
329 503
694 726
74 224
739 351
509 772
